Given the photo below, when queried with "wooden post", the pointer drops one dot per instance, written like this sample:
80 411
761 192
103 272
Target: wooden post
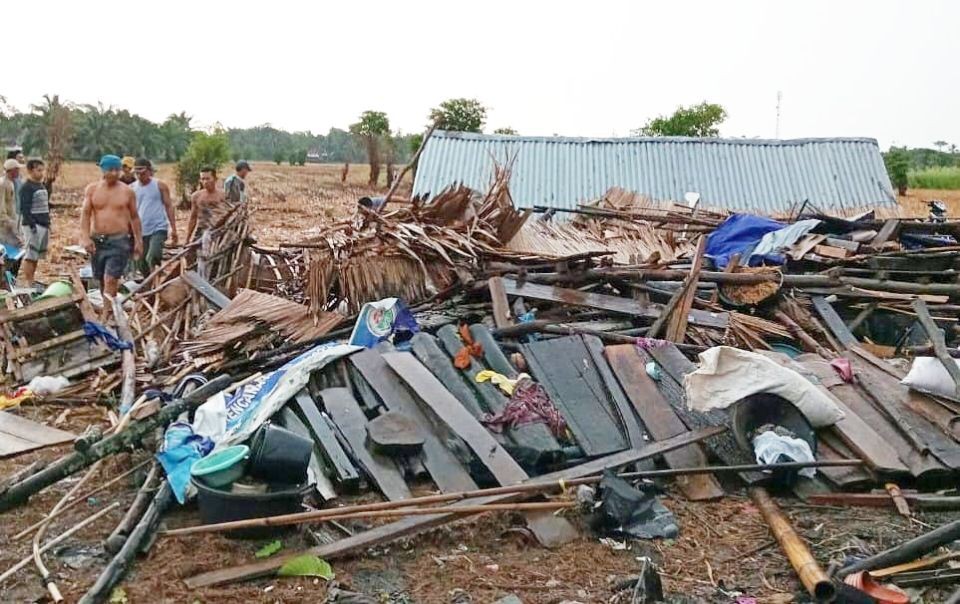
677 330
413 162
936 339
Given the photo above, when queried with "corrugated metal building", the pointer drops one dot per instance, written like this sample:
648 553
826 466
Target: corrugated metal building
768 176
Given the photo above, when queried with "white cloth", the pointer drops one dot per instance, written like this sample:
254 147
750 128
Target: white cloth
775 242
727 375
769 445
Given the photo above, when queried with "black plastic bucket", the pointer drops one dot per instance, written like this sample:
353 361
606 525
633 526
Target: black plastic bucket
223 506
278 455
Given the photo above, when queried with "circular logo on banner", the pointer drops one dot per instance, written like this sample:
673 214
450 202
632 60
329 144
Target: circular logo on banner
380 321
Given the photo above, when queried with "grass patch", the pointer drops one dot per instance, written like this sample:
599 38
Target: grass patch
935 178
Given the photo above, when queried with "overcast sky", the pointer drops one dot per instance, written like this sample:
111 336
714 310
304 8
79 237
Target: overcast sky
883 69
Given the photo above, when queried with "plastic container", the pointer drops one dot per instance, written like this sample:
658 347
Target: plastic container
217 505
278 455
57 289
220 469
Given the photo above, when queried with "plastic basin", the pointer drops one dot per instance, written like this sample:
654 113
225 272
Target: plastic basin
220 469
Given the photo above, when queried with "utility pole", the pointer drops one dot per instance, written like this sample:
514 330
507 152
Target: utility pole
779 97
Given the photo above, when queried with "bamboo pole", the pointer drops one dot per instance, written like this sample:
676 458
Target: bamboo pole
811 575
413 161
532 488
60 538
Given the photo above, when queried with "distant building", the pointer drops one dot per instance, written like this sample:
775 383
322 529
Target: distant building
314 157
764 176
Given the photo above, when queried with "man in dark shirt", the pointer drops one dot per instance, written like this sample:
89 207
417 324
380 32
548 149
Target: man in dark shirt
34 204
235 186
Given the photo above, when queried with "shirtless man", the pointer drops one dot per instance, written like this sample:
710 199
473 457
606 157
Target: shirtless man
207 205
108 218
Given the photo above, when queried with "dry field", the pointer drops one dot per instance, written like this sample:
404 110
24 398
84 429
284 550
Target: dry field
723 547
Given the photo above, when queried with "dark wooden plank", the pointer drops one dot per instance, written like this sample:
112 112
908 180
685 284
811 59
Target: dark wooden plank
532 444
671 360
558 365
426 348
550 530
205 289
830 447
292 422
440 461
886 389
493 356
834 322
380 469
634 426
344 473
887 231
623 306
18 434
661 421
413 525
501 306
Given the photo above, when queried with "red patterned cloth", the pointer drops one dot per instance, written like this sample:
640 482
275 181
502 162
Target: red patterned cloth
529 403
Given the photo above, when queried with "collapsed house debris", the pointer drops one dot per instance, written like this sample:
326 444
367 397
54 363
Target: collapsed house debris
498 358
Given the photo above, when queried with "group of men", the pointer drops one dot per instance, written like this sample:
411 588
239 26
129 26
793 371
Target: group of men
127 215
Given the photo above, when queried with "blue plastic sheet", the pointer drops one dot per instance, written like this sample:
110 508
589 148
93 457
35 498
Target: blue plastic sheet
739 234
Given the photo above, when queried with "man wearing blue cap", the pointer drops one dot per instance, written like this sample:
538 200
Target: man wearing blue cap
110 228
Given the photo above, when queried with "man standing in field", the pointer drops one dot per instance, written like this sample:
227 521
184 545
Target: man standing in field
9 213
126 166
156 212
207 205
108 219
235 187
34 204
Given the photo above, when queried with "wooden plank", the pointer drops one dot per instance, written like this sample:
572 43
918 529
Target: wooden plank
851 246
834 322
550 530
18 434
380 469
887 231
829 251
493 356
628 417
830 447
292 422
426 348
623 306
677 328
39 308
558 365
205 289
416 524
535 445
442 464
344 472
661 421
936 339
501 306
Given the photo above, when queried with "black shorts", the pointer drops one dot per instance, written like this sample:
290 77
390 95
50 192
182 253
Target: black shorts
111 256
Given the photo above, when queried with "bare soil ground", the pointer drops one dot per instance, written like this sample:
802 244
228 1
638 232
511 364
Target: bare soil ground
723 548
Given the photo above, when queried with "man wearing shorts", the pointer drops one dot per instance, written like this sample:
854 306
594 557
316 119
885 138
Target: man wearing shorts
157 216
110 228
207 205
34 204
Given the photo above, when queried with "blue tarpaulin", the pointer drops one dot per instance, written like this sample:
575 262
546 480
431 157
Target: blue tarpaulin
739 233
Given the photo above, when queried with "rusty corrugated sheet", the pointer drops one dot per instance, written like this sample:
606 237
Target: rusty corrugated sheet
766 176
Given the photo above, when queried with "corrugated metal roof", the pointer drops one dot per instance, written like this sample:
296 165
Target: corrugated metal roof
768 176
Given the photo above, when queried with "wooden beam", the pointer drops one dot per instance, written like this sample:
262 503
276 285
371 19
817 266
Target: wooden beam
206 289
501 306
834 322
344 472
677 329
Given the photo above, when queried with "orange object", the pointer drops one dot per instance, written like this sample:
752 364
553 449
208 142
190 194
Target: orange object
885 595
470 348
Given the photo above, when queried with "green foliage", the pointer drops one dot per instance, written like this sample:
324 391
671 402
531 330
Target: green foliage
269 549
921 158
279 156
298 157
370 124
459 115
935 178
307 565
237 155
415 141
897 162
698 120
205 150
507 130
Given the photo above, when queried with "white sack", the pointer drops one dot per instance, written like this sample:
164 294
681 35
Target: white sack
769 446
727 375
929 375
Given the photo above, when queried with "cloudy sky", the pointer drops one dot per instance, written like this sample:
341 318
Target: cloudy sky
884 69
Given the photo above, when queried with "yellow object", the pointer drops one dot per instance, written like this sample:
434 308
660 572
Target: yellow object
127 161
500 380
20 395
